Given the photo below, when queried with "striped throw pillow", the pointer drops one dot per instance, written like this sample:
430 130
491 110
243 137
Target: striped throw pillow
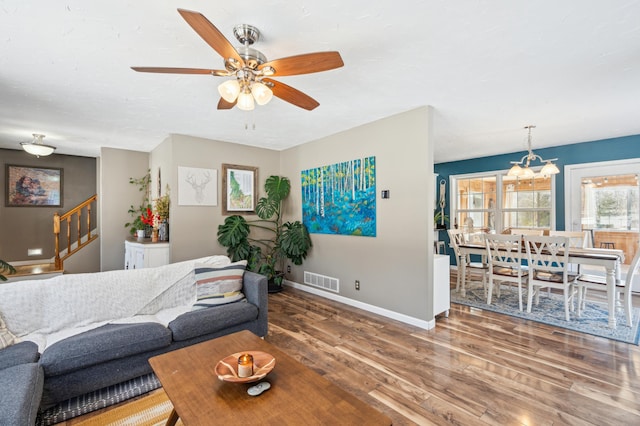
219 285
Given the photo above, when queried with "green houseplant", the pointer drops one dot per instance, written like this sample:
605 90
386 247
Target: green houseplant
5 267
267 242
136 213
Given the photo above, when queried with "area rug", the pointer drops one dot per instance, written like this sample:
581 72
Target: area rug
594 319
151 410
102 398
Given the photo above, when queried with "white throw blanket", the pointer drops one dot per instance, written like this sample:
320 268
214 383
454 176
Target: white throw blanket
47 311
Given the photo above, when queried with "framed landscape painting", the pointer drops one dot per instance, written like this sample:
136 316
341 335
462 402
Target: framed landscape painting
239 184
33 186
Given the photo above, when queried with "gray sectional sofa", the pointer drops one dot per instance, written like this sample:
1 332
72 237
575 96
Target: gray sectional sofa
114 352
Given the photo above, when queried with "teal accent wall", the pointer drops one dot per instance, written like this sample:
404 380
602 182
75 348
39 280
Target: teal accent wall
586 152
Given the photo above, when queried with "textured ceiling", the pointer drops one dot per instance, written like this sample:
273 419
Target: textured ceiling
488 68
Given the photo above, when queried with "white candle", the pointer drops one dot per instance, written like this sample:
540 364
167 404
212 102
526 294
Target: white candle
245 365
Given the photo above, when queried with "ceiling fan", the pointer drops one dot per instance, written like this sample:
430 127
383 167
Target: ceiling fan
251 68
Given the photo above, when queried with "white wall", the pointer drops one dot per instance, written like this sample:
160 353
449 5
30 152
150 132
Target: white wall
392 267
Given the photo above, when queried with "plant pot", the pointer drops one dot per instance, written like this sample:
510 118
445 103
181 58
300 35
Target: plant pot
140 234
273 287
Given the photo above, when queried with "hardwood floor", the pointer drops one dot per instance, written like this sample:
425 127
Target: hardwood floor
475 367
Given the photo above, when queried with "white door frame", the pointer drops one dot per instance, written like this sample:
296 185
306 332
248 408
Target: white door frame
573 175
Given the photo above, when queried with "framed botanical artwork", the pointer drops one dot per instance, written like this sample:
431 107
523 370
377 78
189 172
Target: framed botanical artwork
28 186
240 185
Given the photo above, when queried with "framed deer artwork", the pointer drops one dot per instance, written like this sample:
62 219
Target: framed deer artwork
239 184
197 187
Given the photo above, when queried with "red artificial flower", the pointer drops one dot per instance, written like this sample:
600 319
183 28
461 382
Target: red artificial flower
149 219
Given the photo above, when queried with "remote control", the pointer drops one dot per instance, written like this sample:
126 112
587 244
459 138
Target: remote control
259 388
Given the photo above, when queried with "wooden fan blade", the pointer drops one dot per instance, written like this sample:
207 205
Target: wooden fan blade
210 34
222 104
291 95
220 73
305 64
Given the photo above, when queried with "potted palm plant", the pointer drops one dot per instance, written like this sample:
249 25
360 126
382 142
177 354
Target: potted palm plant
267 242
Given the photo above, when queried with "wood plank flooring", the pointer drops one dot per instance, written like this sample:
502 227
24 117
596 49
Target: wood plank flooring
474 368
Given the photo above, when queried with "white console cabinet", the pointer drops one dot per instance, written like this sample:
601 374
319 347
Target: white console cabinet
145 254
441 292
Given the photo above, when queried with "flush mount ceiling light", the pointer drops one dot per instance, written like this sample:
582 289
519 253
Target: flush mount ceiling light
37 148
525 172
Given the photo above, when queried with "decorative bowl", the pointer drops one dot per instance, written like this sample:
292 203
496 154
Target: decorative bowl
227 368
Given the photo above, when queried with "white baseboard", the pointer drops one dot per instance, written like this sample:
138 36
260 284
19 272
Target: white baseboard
427 325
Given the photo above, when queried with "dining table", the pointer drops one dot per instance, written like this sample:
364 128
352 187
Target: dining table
610 259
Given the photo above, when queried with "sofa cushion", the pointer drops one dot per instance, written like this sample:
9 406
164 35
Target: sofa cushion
21 390
21 353
218 285
111 341
6 337
204 321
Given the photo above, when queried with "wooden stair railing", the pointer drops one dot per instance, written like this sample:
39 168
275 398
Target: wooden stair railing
74 215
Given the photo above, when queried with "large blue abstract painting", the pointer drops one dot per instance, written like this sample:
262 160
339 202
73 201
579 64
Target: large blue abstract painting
341 198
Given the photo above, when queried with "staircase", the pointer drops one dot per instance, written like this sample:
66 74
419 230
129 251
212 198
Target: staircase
77 221
77 232
34 272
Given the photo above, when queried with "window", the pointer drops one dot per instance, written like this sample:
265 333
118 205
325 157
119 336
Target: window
526 202
610 202
493 201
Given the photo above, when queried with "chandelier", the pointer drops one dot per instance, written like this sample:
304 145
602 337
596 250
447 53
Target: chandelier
526 172
36 147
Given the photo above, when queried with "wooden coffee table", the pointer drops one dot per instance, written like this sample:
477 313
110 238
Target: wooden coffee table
298 395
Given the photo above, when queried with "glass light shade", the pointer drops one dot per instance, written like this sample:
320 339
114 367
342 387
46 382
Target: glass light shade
229 90
245 101
516 170
39 150
549 169
527 173
261 93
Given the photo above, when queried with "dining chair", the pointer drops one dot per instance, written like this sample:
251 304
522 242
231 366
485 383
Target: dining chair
548 259
522 231
577 239
456 238
504 256
599 282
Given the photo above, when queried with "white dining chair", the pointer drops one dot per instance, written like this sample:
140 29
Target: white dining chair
457 237
577 239
504 256
548 259
523 231
599 282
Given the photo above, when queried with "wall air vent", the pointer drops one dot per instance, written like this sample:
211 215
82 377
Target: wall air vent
322 281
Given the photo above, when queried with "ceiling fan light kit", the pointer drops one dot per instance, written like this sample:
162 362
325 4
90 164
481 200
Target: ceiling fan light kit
36 147
229 90
250 67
